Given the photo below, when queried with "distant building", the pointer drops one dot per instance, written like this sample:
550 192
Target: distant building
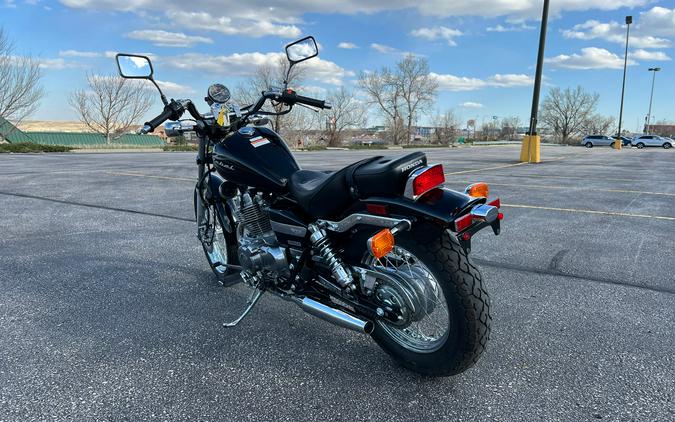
661 129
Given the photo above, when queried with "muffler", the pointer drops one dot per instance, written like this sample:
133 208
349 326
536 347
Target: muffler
335 316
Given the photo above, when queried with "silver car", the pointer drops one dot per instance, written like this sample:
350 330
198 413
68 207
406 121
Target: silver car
652 141
597 140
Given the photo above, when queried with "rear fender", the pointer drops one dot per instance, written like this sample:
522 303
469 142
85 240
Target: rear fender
440 206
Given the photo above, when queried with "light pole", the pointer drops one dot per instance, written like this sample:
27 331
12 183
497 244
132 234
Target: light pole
531 143
651 97
629 20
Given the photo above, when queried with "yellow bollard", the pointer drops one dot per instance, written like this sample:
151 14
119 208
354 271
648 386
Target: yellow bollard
531 149
524 149
617 144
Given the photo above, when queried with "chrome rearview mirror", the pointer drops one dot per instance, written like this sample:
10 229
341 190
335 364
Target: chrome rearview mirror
135 66
301 50
132 66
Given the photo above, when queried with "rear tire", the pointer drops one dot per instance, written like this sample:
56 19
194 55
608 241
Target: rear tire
467 301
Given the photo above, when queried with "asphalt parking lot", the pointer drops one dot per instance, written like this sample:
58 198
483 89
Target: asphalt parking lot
108 310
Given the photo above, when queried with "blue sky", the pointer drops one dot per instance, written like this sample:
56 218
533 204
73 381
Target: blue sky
482 51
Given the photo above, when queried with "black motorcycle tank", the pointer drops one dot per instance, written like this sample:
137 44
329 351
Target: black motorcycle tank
255 157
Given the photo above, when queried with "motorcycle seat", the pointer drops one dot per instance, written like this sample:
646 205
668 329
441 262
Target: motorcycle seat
325 194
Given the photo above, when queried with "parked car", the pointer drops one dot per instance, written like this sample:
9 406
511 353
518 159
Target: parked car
652 141
597 140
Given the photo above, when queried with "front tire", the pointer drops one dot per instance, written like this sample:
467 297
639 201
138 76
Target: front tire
467 302
640 145
667 145
589 145
220 247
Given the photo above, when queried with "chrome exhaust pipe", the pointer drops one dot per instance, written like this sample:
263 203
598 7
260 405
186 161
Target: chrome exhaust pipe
335 316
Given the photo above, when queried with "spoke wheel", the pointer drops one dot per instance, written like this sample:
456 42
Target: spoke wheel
425 327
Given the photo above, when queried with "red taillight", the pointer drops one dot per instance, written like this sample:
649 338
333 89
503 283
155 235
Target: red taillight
378 209
430 178
496 203
463 223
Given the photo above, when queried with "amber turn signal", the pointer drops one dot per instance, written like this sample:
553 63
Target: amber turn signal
478 190
381 243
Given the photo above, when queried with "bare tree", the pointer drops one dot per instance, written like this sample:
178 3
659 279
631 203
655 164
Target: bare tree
401 94
565 112
384 92
446 127
111 105
597 124
273 75
20 89
418 89
510 126
347 112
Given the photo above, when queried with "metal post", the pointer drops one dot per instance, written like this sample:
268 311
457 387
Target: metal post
530 150
629 20
651 97
540 68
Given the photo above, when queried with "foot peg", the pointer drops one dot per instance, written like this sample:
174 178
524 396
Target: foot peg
252 300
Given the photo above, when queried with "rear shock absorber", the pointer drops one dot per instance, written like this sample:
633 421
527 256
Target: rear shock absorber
322 244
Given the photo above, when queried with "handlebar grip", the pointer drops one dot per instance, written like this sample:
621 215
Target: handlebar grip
163 116
310 101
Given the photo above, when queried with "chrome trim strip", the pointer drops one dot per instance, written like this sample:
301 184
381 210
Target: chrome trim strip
289 229
354 219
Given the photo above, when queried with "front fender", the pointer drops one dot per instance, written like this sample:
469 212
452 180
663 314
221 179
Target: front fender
441 206
214 181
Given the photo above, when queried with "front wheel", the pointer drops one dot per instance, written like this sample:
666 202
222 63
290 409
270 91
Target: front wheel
589 145
640 145
219 246
450 326
667 145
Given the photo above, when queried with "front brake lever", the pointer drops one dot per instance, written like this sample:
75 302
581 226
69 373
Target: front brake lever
314 109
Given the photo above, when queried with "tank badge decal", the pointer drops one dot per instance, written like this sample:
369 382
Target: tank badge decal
259 141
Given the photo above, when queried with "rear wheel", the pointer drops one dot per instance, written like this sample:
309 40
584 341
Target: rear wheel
667 145
640 145
449 328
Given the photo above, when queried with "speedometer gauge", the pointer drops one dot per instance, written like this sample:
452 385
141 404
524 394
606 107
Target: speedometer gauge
219 93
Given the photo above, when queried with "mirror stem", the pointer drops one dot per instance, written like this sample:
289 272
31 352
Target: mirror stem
161 94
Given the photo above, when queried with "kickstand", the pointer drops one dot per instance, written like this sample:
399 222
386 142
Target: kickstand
252 300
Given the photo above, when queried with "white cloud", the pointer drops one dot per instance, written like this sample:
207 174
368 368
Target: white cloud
510 28
251 28
649 55
172 88
470 104
590 58
58 64
385 49
616 33
347 45
448 82
438 32
244 64
659 21
167 39
75 53
290 10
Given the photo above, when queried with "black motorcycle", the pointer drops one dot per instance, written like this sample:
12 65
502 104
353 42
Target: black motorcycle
380 246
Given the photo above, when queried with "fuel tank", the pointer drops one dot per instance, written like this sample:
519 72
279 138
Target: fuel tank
255 157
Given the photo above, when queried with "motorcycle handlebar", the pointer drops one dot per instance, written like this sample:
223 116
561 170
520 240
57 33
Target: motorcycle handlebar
174 110
290 97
